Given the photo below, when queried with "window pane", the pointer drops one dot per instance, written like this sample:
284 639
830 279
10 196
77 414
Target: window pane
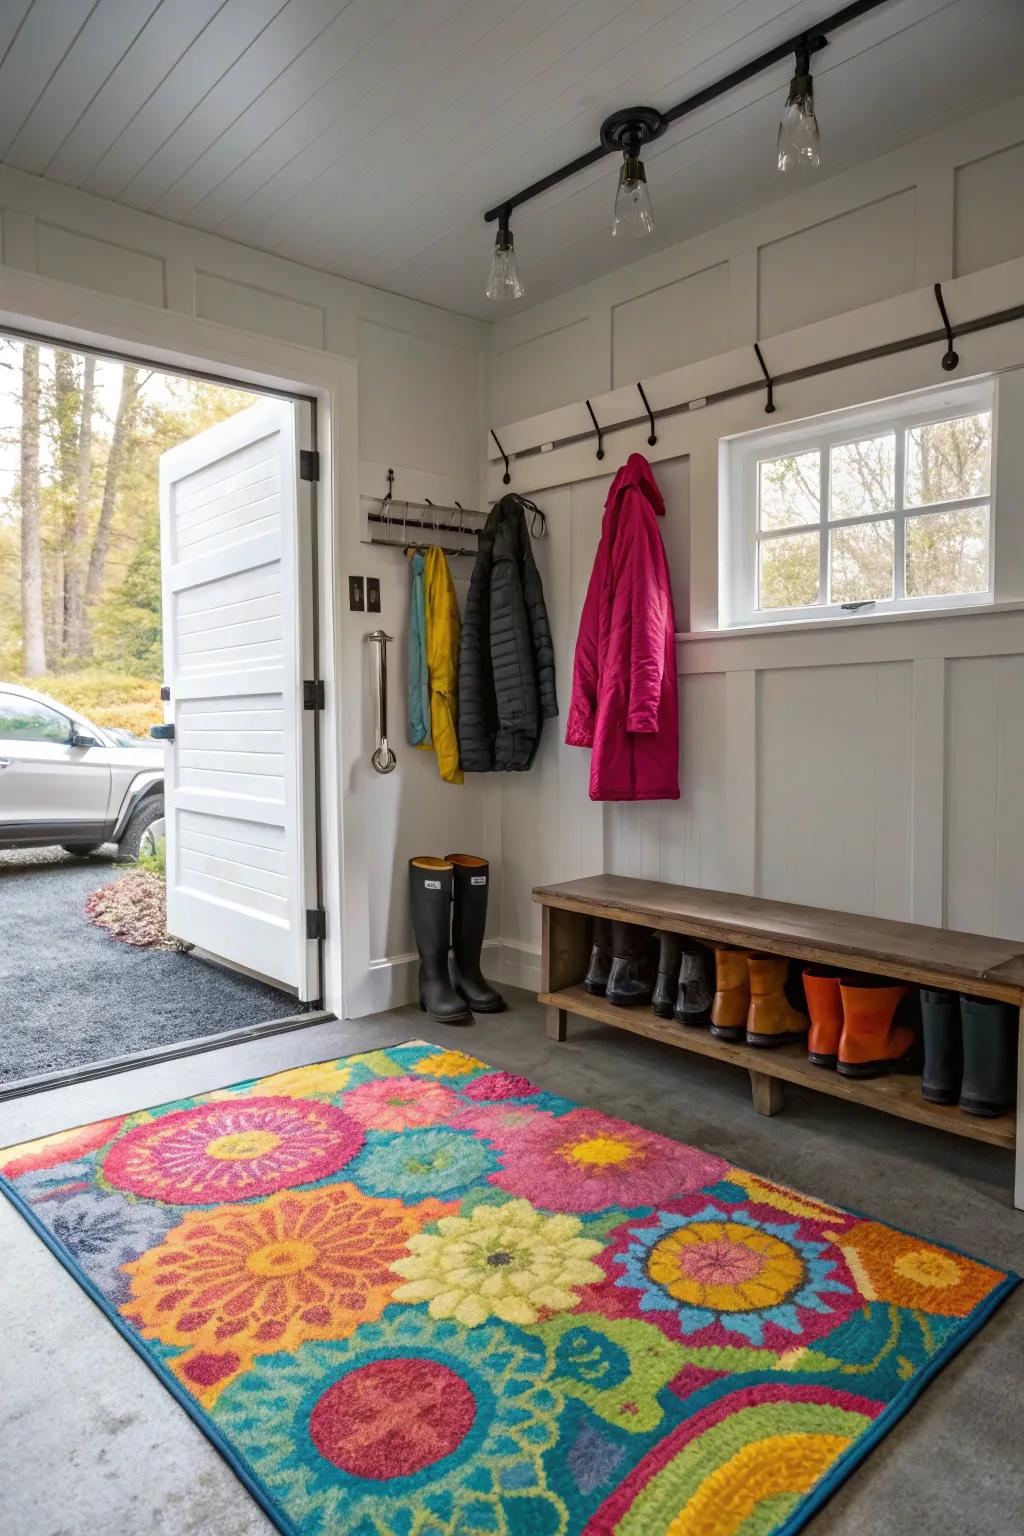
947 552
25 720
861 562
949 460
863 477
789 491
788 571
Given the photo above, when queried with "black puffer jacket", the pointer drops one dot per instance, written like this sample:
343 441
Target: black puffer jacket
506 660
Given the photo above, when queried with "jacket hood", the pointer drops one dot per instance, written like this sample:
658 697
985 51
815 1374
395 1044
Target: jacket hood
638 475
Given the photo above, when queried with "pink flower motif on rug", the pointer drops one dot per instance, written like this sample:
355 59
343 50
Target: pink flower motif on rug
61 1147
499 1085
587 1161
234 1149
400 1103
496 1122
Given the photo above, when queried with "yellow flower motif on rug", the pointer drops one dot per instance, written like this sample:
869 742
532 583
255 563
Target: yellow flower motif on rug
504 1261
246 1280
448 1064
322 1080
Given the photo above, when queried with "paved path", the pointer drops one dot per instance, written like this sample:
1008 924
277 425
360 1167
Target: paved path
69 994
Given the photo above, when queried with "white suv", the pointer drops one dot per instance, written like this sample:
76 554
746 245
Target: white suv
65 781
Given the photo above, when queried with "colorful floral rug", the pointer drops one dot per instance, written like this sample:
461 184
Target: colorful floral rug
403 1293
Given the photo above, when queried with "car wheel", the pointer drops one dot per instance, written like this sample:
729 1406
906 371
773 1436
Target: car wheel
150 811
81 850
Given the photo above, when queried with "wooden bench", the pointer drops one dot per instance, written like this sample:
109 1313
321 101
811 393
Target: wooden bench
930 957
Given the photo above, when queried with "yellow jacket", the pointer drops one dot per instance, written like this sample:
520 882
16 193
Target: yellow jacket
443 634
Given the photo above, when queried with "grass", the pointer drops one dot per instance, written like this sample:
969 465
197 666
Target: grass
108 699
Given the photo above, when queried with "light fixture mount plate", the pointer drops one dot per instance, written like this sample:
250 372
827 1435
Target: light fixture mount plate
632 128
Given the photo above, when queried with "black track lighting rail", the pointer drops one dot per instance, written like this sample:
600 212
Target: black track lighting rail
808 41
771 381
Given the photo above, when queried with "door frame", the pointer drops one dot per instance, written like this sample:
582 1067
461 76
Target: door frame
51 312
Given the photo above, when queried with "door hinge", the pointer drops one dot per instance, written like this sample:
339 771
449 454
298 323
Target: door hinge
309 464
313 696
165 692
316 923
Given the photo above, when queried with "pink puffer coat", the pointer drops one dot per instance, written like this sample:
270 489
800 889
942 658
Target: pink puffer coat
625 699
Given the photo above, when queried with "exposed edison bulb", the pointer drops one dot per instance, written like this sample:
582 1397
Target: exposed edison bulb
799 146
504 282
634 216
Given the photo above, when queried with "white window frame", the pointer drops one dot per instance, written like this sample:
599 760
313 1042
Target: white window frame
823 433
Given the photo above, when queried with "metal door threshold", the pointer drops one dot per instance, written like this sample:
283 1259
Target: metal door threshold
84 1074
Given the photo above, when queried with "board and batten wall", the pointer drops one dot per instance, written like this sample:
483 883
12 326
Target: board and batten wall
874 767
422 379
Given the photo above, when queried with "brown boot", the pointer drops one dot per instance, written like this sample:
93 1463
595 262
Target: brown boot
772 1019
732 994
878 1036
825 1006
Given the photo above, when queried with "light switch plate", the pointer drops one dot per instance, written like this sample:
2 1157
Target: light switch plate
373 594
355 594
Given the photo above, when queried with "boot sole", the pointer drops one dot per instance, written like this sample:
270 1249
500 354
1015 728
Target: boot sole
938 1098
816 1059
628 1002
877 1068
594 988
662 1012
489 1008
728 1032
984 1111
697 1021
790 1037
448 1018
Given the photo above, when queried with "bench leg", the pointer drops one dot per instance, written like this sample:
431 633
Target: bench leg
767 1093
1018 1183
558 1023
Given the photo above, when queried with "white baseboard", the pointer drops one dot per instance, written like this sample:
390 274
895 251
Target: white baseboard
392 982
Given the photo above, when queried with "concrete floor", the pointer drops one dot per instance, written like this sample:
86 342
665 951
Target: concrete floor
93 1443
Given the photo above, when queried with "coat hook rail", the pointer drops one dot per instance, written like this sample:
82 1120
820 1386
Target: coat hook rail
769 406
950 358
600 435
652 437
506 477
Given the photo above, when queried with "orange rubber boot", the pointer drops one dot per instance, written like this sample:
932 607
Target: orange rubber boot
872 1042
772 1019
732 994
825 1006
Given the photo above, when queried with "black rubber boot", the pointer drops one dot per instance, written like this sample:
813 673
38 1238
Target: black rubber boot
696 986
631 979
990 1056
670 954
596 979
469 921
943 1047
430 901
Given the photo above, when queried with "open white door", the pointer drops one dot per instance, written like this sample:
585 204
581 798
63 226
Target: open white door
237 597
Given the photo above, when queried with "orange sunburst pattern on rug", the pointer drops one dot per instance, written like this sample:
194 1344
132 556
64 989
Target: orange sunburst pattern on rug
232 1283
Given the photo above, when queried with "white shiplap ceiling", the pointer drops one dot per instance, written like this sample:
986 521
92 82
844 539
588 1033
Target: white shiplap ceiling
366 137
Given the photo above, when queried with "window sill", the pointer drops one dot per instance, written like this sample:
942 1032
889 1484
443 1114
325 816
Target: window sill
855 621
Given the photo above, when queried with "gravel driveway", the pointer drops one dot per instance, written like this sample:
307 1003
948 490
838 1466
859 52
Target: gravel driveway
69 994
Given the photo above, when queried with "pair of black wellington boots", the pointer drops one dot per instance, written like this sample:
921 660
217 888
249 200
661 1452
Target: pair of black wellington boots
970 1052
631 966
448 901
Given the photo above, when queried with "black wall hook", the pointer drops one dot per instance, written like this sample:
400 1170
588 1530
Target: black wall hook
769 405
951 357
506 477
597 429
653 437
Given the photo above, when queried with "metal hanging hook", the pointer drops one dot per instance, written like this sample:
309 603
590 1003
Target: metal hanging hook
600 435
770 387
383 758
653 436
951 357
506 477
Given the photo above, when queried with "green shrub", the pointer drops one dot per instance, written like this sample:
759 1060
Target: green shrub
117 701
155 863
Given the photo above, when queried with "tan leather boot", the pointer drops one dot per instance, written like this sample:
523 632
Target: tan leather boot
732 994
772 1019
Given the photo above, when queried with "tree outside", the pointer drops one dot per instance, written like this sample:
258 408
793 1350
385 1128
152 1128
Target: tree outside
80 588
946 550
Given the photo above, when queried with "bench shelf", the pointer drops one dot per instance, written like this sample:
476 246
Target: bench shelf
970 963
